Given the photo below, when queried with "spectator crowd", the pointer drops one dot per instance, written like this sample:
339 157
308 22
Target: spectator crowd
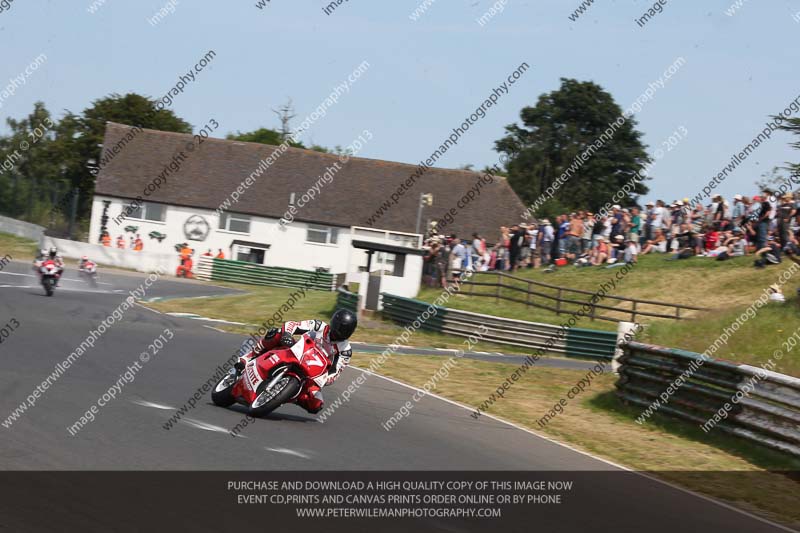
765 226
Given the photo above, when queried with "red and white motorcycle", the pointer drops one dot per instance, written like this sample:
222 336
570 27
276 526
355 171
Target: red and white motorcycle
88 272
49 272
275 377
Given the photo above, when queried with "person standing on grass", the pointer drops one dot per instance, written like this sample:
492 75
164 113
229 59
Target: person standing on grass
636 226
764 217
545 241
785 212
588 228
574 233
516 242
533 237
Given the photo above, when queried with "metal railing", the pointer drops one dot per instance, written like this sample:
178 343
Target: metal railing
557 299
746 401
209 268
572 342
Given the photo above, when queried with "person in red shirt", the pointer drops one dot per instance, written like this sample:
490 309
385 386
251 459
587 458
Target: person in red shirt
220 255
712 238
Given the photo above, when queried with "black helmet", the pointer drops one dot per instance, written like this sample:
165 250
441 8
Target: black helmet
343 324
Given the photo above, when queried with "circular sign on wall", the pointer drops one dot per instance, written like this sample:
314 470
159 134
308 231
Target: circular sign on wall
196 228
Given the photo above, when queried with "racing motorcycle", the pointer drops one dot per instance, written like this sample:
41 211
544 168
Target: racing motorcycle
275 377
49 276
89 273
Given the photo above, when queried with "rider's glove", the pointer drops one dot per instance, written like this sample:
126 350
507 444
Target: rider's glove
287 340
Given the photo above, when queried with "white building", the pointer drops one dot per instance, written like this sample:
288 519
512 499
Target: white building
170 189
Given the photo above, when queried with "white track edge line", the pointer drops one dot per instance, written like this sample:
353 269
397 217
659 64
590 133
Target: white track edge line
625 468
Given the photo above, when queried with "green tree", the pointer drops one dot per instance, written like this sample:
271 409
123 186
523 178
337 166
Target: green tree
793 126
84 134
553 135
63 155
274 138
30 182
263 136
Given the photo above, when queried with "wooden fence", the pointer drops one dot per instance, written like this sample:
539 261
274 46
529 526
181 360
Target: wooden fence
563 300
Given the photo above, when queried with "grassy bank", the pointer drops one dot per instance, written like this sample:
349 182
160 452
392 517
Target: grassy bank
726 288
18 248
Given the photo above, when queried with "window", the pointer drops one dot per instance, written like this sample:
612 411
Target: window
147 211
251 255
322 234
234 222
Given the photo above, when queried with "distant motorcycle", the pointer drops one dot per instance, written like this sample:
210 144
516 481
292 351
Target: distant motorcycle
50 272
88 272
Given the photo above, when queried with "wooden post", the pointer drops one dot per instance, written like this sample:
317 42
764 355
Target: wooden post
499 285
678 313
528 296
558 302
633 313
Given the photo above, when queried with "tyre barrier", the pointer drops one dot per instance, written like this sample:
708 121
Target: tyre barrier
754 403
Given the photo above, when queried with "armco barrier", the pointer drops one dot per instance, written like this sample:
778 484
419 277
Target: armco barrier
347 300
209 268
575 342
750 402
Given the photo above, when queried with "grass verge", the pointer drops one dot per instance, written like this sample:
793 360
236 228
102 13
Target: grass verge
261 303
598 423
20 249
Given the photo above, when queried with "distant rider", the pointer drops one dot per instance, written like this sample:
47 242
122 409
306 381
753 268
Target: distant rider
333 339
85 263
53 257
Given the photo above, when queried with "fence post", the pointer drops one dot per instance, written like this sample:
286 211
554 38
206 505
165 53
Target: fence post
528 296
623 329
497 292
558 302
677 313
633 312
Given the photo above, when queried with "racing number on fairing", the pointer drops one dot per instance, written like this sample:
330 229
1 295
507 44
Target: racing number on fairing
313 358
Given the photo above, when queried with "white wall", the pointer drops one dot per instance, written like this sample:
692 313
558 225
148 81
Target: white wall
141 261
406 286
20 228
289 247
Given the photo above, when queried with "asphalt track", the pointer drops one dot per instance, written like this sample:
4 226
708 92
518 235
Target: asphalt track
128 433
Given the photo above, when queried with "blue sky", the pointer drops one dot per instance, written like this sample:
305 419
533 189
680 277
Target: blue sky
426 76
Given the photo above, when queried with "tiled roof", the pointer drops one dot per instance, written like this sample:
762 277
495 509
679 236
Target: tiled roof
209 174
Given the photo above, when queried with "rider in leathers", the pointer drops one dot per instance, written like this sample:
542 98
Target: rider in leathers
331 338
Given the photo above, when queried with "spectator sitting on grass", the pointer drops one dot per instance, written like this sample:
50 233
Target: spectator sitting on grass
657 244
599 254
732 246
627 255
686 242
769 254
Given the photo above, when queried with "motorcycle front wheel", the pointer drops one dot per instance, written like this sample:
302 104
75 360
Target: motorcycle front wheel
48 287
267 400
221 395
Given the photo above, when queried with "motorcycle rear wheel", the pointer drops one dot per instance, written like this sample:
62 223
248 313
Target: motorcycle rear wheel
267 401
